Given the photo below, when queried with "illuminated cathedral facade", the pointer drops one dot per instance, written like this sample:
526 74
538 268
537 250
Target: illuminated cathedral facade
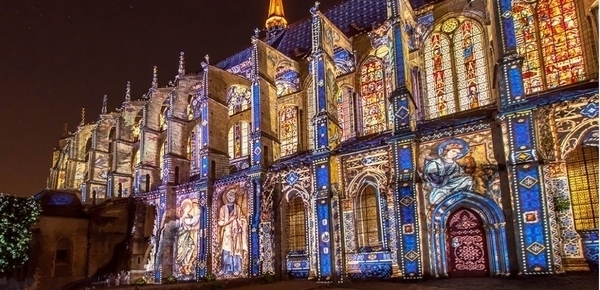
377 139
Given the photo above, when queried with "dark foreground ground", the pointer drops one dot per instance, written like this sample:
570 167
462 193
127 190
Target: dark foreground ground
574 281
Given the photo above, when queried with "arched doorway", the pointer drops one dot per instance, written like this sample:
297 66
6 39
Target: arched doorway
466 245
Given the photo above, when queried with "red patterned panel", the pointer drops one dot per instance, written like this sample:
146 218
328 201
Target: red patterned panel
466 245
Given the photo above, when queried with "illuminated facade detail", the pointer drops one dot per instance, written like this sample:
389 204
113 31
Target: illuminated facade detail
372 101
296 221
287 79
360 177
288 130
366 221
345 112
548 37
238 99
582 168
456 68
238 140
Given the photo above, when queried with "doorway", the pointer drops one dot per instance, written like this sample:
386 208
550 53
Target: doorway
466 245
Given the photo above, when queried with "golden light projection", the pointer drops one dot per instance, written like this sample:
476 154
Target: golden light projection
582 168
296 221
367 218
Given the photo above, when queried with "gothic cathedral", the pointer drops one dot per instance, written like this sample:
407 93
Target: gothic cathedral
377 139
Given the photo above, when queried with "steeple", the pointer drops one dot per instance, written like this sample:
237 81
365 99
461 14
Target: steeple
276 19
82 117
128 92
155 78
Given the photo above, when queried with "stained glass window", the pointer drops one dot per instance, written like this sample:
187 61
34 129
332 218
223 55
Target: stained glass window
238 98
163 119
373 101
193 148
456 73
288 130
238 140
582 168
549 40
296 226
345 110
310 104
367 218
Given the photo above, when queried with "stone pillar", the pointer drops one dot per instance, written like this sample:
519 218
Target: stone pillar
529 200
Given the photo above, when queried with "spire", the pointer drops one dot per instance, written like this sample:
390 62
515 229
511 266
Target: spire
155 78
128 92
104 101
276 19
66 130
82 117
181 70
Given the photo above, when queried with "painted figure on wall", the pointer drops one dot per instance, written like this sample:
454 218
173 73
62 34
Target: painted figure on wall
233 225
187 235
443 174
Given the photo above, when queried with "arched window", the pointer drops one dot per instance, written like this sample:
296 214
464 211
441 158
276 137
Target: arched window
296 226
163 119
310 113
238 140
367 221
549 41
456 72
287 79
345 109
582 169
373 101
63 258
288 130
238 99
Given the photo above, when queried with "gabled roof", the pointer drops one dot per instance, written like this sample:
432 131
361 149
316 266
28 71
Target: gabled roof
351 17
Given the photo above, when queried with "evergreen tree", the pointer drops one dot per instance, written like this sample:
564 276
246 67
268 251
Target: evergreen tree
17 214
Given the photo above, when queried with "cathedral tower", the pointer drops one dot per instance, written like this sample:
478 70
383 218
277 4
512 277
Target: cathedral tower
276 18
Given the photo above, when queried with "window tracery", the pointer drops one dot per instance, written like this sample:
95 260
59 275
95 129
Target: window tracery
345 109
548 39
368 230
238 140
288 130
582 169
238 99
373 101
296 225
456 73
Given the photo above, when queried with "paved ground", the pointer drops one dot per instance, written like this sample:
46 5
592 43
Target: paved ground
573 281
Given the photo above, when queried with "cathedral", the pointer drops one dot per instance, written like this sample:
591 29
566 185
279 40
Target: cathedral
376 139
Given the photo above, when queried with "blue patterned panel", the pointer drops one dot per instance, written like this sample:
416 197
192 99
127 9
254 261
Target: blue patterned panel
508 26
256 108
522 133
515 82
323 137
204 162
399 57
60 199
533 217
321 97
322 171
324 238
203 239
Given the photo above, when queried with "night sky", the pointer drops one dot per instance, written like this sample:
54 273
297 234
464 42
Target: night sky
59 56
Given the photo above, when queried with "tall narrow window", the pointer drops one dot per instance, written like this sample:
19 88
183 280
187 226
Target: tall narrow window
582 168
368 231
63 260
238 99
193 147
346 111
296 226
238 140
373 101
456 73
288 130
548 39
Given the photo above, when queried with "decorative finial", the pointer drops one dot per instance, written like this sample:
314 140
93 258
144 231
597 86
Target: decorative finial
207 58
256 32
154 78
66 130
82 117
276 18
181 70
104 101
204 64
128 92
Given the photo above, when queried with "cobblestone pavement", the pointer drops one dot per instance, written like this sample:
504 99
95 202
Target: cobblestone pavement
572 281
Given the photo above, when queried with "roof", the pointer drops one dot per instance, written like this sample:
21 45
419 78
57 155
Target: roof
351 17
60 203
